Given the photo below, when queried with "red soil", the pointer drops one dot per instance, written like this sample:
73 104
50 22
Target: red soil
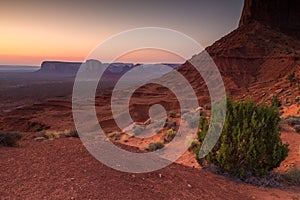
63 169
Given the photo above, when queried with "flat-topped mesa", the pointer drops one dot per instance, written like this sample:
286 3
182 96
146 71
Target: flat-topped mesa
60 67
71 68
283 15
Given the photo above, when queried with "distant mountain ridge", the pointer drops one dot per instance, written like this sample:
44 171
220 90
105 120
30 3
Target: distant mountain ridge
71 68
18 68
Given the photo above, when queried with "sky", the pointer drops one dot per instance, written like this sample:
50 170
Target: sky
34 31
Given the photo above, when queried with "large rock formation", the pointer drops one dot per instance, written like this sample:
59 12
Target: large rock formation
256 58
113 71
63 68
254 61
260 53
280 14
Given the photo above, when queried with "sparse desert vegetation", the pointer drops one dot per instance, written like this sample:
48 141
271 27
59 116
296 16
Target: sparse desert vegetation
291 77
169 135
52 134
195 144
155 146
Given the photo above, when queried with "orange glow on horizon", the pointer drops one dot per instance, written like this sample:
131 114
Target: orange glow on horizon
35 60
138 56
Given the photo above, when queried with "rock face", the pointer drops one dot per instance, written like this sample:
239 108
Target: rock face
280 14
254 61
256 58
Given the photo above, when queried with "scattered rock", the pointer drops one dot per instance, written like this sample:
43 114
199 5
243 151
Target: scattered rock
39 139
288 104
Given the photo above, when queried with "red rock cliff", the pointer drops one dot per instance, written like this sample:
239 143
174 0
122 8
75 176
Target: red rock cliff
283 15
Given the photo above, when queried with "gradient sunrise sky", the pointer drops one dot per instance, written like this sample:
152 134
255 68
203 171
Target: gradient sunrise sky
33 31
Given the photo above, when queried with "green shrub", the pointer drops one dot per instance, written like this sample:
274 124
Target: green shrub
9 139
169 135
291 77
250 143
72 133
32 124
173 115
51 134
38 128
155 146
194 145
276 102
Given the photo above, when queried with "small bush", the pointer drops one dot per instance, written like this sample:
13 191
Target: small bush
276 102
173 115
59 134
39 128
291 77
9 139
32 124
169 135
155 146
250 143
194 145
72 133
115 135
292 177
